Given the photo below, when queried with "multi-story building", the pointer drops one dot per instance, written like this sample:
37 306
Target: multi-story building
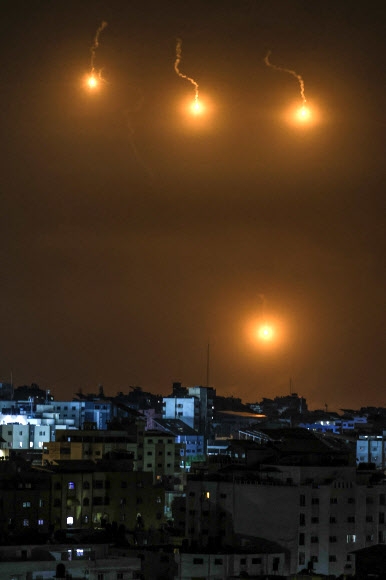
319 514
372 449
86 494
87 444
24 501
194 406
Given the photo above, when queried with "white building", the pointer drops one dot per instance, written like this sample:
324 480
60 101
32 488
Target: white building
372 449
187 409
319 514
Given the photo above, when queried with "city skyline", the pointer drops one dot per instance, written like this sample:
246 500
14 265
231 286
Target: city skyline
135 234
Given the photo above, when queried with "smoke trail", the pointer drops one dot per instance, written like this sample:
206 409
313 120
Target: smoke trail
180 74
289 71
95 46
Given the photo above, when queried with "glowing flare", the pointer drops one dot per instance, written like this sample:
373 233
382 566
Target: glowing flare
92 82
197 108
303 114
266 333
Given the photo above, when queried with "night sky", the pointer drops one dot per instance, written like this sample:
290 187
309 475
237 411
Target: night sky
134 234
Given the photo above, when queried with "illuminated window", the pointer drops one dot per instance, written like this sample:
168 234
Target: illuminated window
40 522
351 538
70 520
71 485
26 522
26 504
207 495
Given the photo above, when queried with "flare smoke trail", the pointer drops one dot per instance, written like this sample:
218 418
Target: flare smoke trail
95 46
289 71
180 74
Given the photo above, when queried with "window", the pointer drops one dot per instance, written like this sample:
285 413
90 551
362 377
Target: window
256 560
332 520
302 500
218 561
86 485
70 520
302 558
381 517
369 500
57 485
314 520
57 502
314 539
86 501
315 501
40 522
370 538
369 518
223 495
26 523
301 539
26 504
351 538
71 485
302 519
333 539
100 576
41 502
351 500
198 561
149 453
119 575
243 561
333 500
351 519
382 499
332 558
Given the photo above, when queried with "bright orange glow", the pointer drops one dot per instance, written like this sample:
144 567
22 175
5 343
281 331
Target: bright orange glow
92 82
269 333
266 332
303 114
197 108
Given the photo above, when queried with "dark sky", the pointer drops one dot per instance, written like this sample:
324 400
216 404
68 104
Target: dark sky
133 233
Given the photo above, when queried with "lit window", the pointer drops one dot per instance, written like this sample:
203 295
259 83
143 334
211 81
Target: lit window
40 522
26 504
26 522
351 538
71 485
70 520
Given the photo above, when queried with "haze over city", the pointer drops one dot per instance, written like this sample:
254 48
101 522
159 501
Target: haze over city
135 233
